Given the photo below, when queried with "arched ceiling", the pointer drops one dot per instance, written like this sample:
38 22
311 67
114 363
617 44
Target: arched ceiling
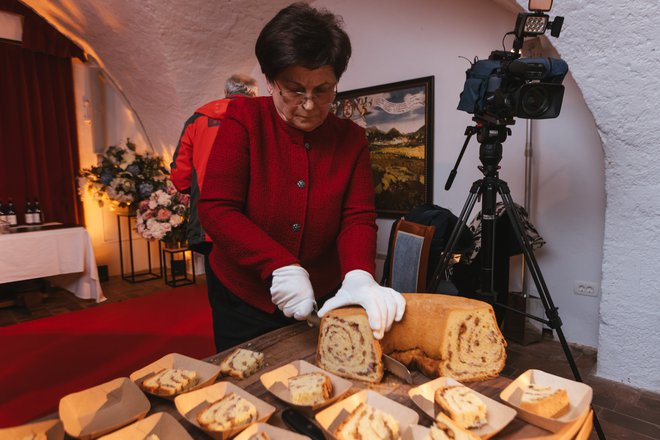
165 56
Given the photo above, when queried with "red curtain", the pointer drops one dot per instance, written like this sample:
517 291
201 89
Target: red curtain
38 135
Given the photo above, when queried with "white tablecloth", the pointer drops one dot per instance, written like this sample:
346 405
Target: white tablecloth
64 256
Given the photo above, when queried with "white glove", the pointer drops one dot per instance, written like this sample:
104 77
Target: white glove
292 292
382 304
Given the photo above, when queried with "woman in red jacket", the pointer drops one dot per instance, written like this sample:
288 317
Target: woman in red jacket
288 193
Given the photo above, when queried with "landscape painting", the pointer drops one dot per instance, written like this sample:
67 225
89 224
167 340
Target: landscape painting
398 119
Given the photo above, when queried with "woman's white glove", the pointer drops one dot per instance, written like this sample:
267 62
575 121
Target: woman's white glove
382 304
292 292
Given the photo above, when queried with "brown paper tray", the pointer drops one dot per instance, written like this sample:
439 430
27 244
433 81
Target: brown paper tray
162 424
273 433
190 404
498 415
579 396
331 417
276 383
104 408
206 372
52 428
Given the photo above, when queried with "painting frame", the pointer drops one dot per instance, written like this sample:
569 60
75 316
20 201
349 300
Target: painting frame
401 150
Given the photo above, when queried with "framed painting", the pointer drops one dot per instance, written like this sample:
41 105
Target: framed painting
398 118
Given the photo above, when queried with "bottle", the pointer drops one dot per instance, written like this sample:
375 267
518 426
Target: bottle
29 216
3 217
10 213
37 214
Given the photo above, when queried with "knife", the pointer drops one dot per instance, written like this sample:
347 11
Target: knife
392 365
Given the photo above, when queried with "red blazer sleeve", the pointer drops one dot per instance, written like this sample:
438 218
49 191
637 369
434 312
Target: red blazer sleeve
181 168
222 203
356 242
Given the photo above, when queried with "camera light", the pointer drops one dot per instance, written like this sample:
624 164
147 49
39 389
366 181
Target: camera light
535 24
540 5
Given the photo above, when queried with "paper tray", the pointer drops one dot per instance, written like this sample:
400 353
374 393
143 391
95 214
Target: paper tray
273 433
498 415
162 424
331 417
206 373
579 397
276 383
190 404
52 428
101 409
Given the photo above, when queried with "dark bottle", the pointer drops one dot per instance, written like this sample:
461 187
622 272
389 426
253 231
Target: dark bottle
29 216
3 217
37 214
10 213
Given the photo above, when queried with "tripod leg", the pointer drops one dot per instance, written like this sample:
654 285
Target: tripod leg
551 310
453 238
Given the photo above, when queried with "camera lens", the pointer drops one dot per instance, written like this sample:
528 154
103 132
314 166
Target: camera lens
535 101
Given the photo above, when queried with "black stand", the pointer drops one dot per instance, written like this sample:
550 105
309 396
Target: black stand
490 137
178 259
132 276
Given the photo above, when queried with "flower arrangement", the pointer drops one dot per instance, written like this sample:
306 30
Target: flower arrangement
123 176
163 215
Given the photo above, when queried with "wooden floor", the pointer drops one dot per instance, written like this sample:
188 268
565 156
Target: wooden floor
624 412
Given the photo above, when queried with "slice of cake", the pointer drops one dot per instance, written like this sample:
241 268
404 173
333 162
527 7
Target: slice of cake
459 337
170 381
310 388
347 346
229 412
545 401
241 363
445 428
462 405
367 422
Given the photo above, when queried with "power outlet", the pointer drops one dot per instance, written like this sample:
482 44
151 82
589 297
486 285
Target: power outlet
586 288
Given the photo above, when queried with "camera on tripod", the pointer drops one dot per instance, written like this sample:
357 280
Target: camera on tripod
506 86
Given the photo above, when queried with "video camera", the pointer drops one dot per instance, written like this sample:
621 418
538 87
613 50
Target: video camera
506 86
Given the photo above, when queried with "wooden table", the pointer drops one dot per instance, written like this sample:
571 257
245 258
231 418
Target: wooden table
299 342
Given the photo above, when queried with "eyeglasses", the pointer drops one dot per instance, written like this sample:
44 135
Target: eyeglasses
321 95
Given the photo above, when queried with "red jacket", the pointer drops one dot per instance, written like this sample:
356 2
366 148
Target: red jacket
189 161
274 196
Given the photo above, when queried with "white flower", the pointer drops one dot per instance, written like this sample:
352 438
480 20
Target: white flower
152 203
164 199
176 220
127 159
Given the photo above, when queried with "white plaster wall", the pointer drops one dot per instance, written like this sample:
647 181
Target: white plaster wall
614 55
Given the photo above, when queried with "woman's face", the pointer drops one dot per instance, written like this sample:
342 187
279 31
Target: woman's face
303 97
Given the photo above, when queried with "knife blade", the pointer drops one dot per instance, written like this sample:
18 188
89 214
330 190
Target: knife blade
392 365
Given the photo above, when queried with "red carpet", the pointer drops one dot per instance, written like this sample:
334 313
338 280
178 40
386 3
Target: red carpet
41 361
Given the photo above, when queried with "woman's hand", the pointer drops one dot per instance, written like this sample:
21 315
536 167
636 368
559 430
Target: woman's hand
382 304
292 292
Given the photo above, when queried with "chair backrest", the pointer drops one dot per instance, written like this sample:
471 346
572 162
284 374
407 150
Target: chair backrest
409 248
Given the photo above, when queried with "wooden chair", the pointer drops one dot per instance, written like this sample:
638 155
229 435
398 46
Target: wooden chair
408 256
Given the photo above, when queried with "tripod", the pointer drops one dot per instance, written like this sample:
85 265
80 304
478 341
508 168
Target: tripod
490 137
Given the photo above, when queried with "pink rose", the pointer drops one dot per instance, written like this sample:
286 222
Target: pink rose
164 214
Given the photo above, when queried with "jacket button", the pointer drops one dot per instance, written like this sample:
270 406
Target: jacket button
300 183
295 227
308 145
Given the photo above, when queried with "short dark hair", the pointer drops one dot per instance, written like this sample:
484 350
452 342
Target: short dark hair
302 35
